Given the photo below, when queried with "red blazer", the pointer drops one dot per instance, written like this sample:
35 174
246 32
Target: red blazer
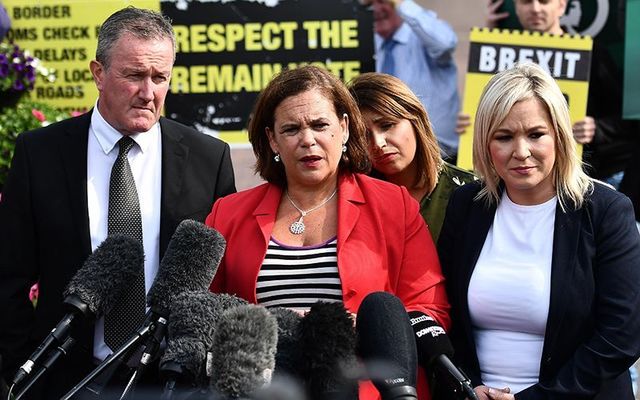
383 245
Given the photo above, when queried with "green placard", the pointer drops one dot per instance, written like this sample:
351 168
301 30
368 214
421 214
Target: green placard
631 101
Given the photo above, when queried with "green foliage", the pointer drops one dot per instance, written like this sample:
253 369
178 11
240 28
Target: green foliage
26 116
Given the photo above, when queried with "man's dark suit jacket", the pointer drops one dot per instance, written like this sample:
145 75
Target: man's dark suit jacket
44 227
593 328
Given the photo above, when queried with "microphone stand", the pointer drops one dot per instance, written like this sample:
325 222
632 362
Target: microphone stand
462 381
55 354
117 356
57 336
149 354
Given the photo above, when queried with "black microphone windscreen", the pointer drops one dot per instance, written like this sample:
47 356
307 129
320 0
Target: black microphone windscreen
244 351
281 388
193 318
329 352
190 262
431 338
434 352
105 274
289 349
386 343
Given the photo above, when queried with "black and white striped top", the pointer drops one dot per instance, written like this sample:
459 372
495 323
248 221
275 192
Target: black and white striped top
297 277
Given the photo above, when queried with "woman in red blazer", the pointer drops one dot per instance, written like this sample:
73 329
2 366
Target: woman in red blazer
309 140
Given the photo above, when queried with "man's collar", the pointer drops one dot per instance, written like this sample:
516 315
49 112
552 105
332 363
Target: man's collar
107 136
401 35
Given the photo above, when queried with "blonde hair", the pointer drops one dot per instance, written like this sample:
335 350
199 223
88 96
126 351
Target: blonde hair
390 97
505 89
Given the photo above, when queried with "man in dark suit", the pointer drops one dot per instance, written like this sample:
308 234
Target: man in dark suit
55 207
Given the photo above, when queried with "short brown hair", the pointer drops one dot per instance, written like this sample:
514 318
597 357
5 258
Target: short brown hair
139 22
291 82
389 96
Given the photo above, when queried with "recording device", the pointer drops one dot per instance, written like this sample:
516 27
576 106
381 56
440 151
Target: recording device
189 263
243 352
92 291
329 353
387 346
193 319
435 351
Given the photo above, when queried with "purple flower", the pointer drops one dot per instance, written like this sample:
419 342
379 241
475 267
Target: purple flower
30 74
18 85
18 70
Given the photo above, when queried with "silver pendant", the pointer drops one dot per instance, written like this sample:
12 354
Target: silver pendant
297 227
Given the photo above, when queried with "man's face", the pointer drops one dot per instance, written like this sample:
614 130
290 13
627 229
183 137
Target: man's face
386 18
133 87
541 15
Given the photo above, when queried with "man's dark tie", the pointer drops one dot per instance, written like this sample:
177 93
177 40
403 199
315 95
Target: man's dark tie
388 62
124 217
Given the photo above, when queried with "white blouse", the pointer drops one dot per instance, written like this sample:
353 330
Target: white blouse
509 294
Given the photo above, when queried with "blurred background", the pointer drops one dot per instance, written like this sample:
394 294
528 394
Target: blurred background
461 14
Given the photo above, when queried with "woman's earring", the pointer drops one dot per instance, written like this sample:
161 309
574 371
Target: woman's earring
276 158
344 148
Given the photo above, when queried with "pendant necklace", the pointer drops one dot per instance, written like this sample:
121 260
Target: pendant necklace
297 227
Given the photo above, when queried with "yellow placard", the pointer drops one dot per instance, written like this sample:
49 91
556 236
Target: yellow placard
566 57
63 35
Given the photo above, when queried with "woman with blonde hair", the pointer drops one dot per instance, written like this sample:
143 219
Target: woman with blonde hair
403 147
541 261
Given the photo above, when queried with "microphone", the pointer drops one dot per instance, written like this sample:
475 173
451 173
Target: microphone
189 263
48 362
387 346
329 352
289 348
243 352
436 350
194 315
92 291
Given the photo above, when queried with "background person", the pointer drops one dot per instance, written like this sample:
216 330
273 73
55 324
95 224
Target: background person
540 260
413 44
320 210
55 203
402 146
541 16
609 140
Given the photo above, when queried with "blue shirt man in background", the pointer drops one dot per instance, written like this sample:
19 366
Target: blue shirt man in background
413 44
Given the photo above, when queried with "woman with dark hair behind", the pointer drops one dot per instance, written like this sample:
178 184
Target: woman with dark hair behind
403 147
320 228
